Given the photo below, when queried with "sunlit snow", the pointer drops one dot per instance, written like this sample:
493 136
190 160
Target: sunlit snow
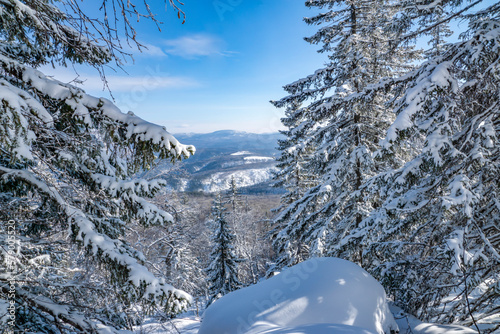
326 292
242 153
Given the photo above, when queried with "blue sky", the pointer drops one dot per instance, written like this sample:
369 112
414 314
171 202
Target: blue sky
218 70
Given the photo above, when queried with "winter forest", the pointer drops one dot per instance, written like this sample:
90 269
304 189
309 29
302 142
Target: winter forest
388 209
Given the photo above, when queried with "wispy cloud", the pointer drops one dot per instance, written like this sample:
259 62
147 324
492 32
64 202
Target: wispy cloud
147 49
150 83
189 46
152 79
196 45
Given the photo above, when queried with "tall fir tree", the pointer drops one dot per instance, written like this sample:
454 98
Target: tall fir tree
250 244
183 262
67 191
340 124
292 175
223 269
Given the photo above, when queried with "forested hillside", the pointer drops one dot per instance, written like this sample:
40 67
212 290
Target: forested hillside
249 158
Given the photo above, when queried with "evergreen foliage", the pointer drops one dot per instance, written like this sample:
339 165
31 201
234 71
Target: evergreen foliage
250 229
434 240
67 191
223 269
294 176
406 159
335 135
181 247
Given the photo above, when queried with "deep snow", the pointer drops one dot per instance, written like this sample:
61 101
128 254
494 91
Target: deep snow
407 325
326 291
318 296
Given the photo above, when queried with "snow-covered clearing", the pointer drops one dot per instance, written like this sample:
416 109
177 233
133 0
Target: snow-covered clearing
244 178
407 325
258 159
242 153
318 296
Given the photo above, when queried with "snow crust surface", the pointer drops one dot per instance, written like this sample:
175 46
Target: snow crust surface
321 295
309 329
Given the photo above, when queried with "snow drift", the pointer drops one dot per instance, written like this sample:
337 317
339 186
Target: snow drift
321 295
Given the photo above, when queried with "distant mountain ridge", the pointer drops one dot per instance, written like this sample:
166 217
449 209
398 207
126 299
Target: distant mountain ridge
226 141
220 156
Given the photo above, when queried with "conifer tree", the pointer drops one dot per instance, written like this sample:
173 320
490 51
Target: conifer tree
67 190
293 176
435 238
182 254
233 195
340 124
223 269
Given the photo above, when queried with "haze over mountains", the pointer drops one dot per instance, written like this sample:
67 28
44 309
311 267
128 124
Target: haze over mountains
220 156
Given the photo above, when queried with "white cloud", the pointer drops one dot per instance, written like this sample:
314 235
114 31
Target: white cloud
195 46
189 46
148 83
152 79
147 49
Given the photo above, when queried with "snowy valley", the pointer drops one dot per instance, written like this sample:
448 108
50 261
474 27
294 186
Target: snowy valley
249 158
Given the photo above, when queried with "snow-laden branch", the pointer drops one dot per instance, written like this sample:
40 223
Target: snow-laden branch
98 242
445 20
136 129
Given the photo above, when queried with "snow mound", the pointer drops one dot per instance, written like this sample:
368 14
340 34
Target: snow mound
308 329
321 295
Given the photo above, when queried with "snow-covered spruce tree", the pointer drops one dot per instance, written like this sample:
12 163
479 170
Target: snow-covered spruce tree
234 196
428 19
339 123
439 34
223 269
66 192
169 251
437 234
235 217
293 176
